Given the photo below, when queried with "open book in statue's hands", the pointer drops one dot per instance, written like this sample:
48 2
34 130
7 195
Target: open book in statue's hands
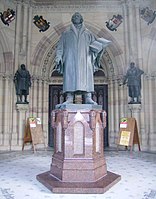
99 44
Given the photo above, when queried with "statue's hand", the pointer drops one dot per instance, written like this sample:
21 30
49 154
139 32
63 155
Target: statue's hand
56 66
59 66
57 61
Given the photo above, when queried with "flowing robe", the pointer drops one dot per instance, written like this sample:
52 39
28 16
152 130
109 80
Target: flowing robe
76 59
133 77
22 82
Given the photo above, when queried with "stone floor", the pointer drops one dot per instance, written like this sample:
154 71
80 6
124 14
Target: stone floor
18 172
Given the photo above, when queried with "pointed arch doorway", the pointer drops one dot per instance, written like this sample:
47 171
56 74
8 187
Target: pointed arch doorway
56 96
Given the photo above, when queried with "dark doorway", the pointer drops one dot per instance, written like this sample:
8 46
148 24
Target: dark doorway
56 97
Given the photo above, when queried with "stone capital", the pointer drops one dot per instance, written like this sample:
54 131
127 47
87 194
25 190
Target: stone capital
22 107
134 108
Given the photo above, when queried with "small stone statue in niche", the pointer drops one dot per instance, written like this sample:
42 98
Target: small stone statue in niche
22 80
133 81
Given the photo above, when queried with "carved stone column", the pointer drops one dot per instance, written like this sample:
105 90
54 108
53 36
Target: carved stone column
45 109
6 112
116 110
24 29
40 99
126 30
34 97
132 30
29 37
17 35
111 112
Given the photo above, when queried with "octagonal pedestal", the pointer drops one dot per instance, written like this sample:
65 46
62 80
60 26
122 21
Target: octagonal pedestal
78 163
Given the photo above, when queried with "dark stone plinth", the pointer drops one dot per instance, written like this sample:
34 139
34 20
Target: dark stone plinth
78 164
57 186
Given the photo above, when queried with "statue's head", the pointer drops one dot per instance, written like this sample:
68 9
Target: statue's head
132 64
77 18
22 66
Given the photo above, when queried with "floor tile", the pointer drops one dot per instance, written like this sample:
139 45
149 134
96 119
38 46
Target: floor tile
18 172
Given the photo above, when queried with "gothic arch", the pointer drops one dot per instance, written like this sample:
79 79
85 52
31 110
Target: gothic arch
44 53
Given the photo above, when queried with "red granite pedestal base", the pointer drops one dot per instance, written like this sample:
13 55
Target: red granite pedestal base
78 164
98 187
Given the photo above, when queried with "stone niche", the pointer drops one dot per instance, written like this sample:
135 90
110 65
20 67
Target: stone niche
78 163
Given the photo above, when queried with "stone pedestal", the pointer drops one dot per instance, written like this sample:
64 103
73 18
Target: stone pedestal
78 163
22 109
135 110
